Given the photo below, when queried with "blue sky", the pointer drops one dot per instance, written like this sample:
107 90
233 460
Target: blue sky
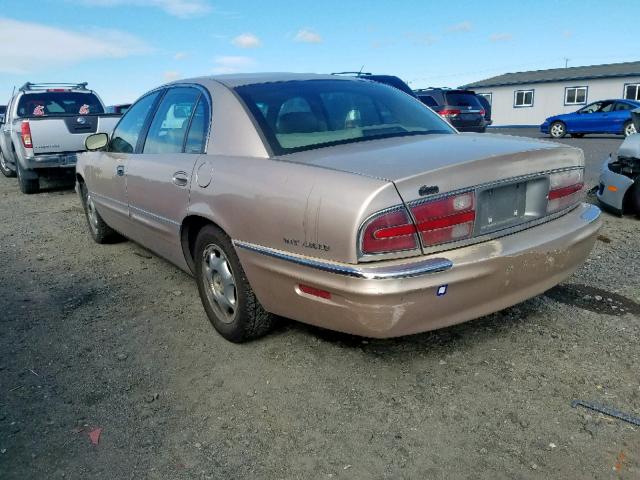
126 47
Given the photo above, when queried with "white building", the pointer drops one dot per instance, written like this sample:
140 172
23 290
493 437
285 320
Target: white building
527 98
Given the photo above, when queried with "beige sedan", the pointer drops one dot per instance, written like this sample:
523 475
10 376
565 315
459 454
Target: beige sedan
338 202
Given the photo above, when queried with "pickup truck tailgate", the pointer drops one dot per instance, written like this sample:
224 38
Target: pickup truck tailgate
67 133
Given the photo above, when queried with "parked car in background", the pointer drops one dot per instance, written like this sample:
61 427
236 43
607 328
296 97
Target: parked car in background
619 187
118 109
604 116
44 128
461 108
391 80
335 201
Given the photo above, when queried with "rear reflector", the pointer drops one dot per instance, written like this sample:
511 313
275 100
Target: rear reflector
25 134
445 220
316 292
565 189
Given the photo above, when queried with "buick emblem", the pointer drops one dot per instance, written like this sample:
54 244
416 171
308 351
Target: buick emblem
81 120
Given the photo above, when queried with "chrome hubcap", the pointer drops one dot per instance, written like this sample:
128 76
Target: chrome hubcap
630 130
92 215
557 130
220 284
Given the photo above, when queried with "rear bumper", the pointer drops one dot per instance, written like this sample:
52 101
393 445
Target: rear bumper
52 160
472 281
612 188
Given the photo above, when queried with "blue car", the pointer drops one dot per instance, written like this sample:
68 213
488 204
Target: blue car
605 116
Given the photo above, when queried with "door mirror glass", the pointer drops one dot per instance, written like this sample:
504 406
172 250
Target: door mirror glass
97 141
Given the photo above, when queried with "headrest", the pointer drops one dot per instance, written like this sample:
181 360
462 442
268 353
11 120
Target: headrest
297 122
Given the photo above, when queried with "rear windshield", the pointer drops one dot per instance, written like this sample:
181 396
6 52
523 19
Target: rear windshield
58 103
460 99
308 114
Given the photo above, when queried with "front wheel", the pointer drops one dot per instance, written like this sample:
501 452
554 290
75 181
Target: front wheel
4 166
99 230
629 129
557 130
27 185
226 295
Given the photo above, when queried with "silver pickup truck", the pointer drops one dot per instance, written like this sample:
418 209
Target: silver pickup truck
44 128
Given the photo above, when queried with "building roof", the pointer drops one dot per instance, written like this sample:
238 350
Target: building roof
609 70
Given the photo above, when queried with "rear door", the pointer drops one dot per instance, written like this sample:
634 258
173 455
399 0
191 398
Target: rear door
620 115
159 178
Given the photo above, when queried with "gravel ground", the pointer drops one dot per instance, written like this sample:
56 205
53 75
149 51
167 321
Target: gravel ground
115 338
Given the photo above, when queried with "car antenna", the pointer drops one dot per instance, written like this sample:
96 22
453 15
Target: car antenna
360 72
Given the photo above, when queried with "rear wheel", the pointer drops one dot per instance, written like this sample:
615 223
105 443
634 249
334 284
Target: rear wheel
226 295
27 185
629 129
4 167
99 230
557 130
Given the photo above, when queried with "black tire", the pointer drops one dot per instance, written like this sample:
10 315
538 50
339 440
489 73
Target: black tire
243 318
99 230
4 166
557 130
28 186
628 129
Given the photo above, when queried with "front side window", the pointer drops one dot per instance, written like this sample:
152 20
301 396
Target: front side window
575 95
632 91
42 104
308 114
171 121
127 133
523 98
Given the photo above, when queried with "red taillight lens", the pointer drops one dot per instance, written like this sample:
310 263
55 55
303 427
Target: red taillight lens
565 189
450 112
26 135
445 220
389 232
483 112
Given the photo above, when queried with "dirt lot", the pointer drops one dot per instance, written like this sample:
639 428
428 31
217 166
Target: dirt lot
113 337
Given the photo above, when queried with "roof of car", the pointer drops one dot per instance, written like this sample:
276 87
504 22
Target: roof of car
239 79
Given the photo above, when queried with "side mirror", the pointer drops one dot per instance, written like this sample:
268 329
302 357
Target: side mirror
97 141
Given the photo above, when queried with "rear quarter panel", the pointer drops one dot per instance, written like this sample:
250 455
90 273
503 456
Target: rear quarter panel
296 208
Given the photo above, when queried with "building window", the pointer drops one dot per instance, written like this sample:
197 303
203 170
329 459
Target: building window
632 91
575 95
488 96
523 98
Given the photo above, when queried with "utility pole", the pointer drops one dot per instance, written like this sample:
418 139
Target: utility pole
566 62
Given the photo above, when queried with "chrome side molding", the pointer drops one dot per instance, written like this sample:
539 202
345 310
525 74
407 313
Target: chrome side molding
413 269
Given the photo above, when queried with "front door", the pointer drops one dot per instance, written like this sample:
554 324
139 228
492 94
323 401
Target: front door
159 178
106 176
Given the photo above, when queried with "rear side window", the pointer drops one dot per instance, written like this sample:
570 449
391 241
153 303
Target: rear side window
126 135
462 100
198 130
171 121
58 103
428 100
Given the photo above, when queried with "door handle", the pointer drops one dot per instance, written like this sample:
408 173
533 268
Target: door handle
180 179
120 170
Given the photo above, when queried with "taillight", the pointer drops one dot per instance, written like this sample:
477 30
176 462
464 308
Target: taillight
26 135
483 112
565 189
450 112
445 220
391 231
